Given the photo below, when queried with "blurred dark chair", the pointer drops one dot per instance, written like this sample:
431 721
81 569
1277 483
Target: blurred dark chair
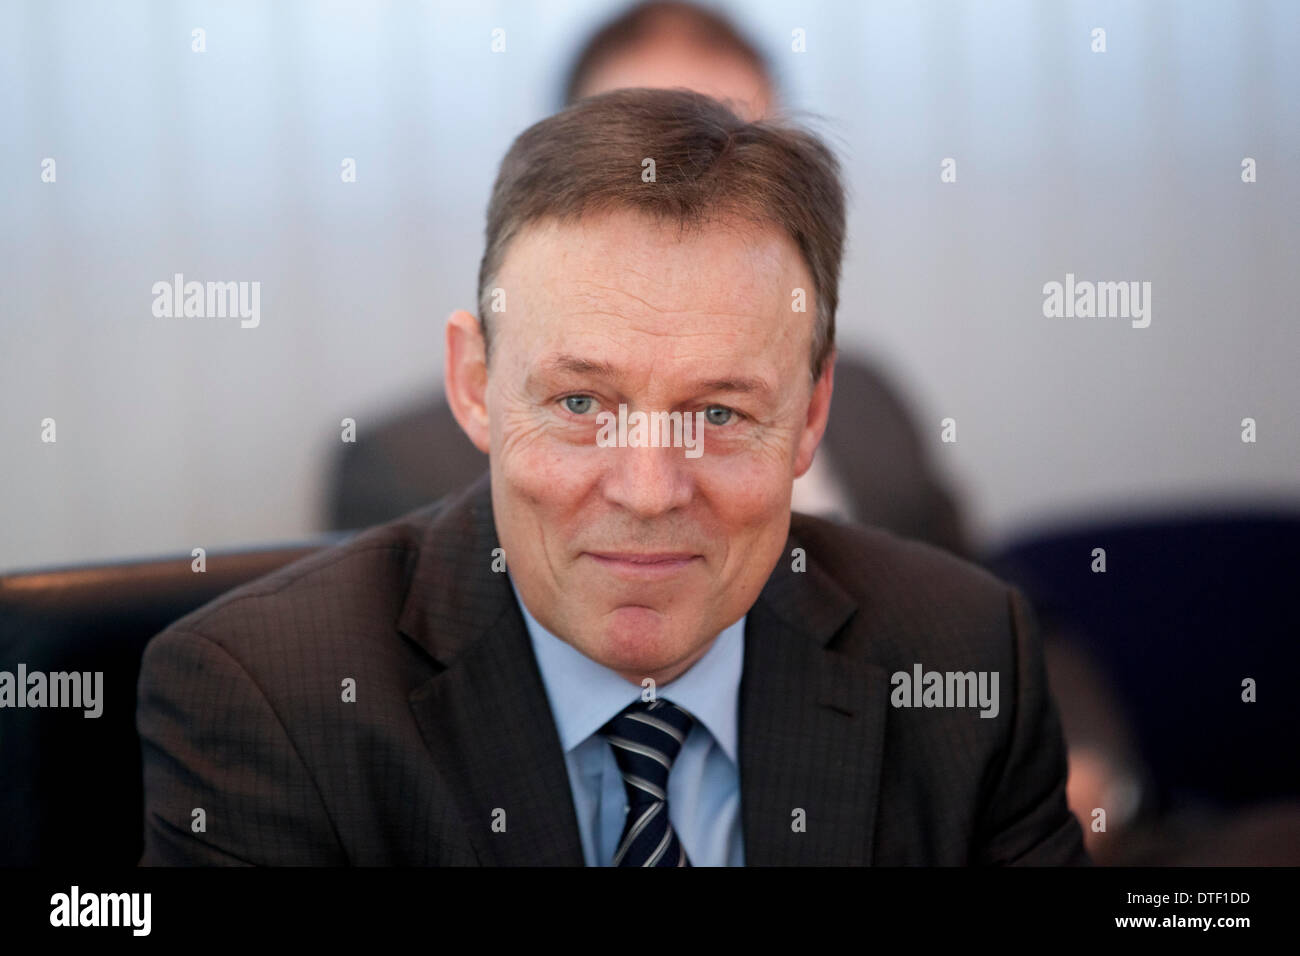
1188 607
70 786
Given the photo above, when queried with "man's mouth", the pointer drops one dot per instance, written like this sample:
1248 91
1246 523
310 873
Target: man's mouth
643 565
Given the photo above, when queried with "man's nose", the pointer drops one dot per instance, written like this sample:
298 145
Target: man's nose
648 481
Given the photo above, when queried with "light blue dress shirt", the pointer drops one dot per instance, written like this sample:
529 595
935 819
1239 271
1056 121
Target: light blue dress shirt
704 783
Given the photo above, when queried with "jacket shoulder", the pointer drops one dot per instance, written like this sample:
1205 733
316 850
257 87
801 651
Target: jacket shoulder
366 575
914 601
863 559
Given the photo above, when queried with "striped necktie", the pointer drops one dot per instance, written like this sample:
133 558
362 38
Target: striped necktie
646 737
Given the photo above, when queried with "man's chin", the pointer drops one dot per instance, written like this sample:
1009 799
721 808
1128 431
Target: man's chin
640 642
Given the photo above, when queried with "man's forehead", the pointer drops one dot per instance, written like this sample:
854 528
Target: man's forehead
626 263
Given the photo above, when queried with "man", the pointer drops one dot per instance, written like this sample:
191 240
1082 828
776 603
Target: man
873 466
621 652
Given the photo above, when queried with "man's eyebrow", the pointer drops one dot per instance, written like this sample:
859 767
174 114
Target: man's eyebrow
743 384
580 366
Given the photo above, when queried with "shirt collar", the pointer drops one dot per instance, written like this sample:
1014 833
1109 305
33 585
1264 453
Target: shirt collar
584 694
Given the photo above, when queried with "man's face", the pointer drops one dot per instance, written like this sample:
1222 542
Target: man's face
640 556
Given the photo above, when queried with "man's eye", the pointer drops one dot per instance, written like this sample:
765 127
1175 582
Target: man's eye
578 404
718 414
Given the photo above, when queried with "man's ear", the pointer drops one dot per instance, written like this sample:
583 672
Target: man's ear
465 377
819 410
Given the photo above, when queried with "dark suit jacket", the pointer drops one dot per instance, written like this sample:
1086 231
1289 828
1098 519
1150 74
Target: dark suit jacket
240 712
871 444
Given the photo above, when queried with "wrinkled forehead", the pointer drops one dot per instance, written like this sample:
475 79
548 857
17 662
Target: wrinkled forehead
625 274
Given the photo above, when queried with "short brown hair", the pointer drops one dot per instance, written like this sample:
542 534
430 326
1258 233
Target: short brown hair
710 165
649 20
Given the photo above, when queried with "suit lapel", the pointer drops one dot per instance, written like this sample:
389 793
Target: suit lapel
485 716
811 728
